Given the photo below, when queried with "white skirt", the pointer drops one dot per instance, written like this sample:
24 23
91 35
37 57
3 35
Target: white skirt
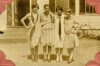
47 37
36 36
58 43
71 41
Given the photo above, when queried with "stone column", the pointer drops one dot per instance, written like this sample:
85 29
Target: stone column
3 20
13 14
30 5
77 7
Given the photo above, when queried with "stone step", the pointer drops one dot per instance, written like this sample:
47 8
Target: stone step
14 35
16 31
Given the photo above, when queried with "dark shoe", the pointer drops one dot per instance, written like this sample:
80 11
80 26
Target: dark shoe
36 60
45 60
33 60
71 60
48 60
68 61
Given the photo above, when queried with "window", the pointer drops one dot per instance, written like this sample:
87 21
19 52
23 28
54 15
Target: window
85 8
52 5
15 11
66 4
23 9
72 5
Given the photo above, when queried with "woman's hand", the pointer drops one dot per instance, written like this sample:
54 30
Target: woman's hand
26 26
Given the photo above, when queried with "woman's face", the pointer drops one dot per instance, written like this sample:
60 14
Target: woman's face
47 9
67 14
59 13
35 10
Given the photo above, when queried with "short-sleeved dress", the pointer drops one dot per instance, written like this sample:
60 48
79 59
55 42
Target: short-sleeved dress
71 39
47 28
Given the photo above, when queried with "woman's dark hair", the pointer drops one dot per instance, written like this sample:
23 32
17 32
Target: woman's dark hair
35 6
69 10
46 5
59 8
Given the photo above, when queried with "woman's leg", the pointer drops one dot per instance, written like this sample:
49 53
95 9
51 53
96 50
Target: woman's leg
57 54
61 52
45 52
36 52
49 52
32 53
71 53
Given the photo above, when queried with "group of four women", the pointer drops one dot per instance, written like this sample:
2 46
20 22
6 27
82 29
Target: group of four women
57 30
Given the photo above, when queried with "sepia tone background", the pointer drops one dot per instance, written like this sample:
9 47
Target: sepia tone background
14 40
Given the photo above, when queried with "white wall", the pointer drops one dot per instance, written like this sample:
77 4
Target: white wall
93 20
3 21
41 4
77 7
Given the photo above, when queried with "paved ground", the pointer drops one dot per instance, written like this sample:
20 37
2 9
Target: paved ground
18 53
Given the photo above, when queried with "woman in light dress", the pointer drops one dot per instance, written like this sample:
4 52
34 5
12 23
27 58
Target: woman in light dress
71 40
59 33
47 27
35 30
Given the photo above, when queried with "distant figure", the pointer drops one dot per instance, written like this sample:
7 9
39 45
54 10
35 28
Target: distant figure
35 30
71 40
47 26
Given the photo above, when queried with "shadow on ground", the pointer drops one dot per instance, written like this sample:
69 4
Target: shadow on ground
53 57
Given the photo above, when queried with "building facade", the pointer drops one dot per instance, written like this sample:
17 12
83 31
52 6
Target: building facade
83 12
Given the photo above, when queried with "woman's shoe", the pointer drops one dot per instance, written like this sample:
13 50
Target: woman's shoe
61 60
45 60
36 60
70 60
48 60
57 59
33 60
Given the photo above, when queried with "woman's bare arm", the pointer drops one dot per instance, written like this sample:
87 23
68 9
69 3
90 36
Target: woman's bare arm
23 20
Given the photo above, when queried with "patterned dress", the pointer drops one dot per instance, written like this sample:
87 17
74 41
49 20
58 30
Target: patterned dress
35 31
71 39
47 28
59 31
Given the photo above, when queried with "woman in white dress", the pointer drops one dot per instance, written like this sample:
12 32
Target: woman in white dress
71 40
47 26
59 33
35 30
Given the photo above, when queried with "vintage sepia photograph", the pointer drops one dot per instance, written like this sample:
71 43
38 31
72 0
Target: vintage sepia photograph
50 32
